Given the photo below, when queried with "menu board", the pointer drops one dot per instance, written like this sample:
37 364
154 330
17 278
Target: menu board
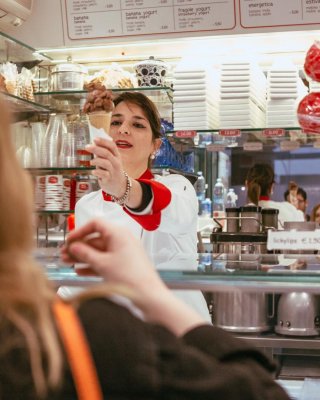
258 14
89 19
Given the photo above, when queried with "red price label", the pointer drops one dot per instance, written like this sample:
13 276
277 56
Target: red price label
185 134
230 132
273 132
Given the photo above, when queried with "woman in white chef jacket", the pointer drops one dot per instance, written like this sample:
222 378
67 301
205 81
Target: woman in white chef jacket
259 183
160 210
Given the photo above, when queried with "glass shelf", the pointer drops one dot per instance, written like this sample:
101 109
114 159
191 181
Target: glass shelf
20 105
68 101
50 212
19 53
250 139
44 169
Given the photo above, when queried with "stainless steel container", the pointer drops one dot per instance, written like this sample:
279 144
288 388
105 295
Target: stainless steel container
298 314
68 77
233 222
239 243
243 312
270 218
250 219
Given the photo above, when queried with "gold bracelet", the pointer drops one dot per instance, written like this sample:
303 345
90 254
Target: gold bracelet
124 198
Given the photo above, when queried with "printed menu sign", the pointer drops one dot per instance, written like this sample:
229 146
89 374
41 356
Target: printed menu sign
88 19
255 13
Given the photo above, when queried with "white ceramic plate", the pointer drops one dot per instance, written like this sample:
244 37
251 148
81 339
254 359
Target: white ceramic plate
179 87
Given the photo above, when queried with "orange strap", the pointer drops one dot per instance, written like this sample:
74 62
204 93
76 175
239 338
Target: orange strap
76 346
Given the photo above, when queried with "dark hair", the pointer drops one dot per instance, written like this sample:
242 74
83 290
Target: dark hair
148 107
300 191
259 180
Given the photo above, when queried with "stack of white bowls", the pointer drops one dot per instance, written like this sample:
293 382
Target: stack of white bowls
242 99
40 189
284 89
194 102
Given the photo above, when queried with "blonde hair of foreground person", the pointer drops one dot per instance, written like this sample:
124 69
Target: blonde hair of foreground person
25 293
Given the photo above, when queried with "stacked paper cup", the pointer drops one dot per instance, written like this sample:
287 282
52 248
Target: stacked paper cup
83 187
54 193
40 187
66 193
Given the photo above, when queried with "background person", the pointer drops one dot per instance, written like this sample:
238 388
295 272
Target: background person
173 355
301 201
161 211
260 185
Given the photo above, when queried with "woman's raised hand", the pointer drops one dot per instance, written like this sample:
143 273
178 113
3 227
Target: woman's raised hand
109 168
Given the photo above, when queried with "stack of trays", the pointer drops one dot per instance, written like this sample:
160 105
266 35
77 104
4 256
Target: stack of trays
194 103
242 99
283 90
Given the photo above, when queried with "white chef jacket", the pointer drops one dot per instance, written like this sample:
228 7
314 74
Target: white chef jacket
167 227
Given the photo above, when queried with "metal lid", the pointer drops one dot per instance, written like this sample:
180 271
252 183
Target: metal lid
232 209
70 67
255 209
151 61
272 211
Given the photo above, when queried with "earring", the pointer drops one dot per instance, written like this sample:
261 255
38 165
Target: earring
153 156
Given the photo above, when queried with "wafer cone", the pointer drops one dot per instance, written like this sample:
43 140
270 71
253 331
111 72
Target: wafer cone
99 124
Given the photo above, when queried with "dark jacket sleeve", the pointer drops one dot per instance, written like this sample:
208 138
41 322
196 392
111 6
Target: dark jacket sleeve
148 362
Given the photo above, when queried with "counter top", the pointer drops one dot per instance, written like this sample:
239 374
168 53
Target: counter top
214 273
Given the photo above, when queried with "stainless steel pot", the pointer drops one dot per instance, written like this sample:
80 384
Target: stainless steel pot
243 312
298 314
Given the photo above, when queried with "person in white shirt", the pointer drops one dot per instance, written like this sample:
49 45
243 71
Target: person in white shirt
161 211
260 183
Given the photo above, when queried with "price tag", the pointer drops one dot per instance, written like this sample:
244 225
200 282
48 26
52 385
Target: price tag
230 132
289 145
215 147
273 132
253 146
185 134
293 240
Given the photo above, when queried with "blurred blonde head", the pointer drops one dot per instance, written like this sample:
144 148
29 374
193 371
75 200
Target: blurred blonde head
25 295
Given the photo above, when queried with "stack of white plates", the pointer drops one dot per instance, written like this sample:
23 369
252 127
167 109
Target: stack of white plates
283 91
242 96
194 102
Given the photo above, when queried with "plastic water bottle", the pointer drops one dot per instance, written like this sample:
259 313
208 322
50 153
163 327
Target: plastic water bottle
206 208
218 199
231 199
200 186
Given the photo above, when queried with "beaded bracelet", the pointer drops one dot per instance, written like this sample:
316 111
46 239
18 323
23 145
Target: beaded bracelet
122 200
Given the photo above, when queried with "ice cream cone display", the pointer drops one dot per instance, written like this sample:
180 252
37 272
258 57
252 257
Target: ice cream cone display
98 107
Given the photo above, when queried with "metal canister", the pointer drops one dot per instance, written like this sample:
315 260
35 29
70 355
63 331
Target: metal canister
270 218
250 219
232 214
